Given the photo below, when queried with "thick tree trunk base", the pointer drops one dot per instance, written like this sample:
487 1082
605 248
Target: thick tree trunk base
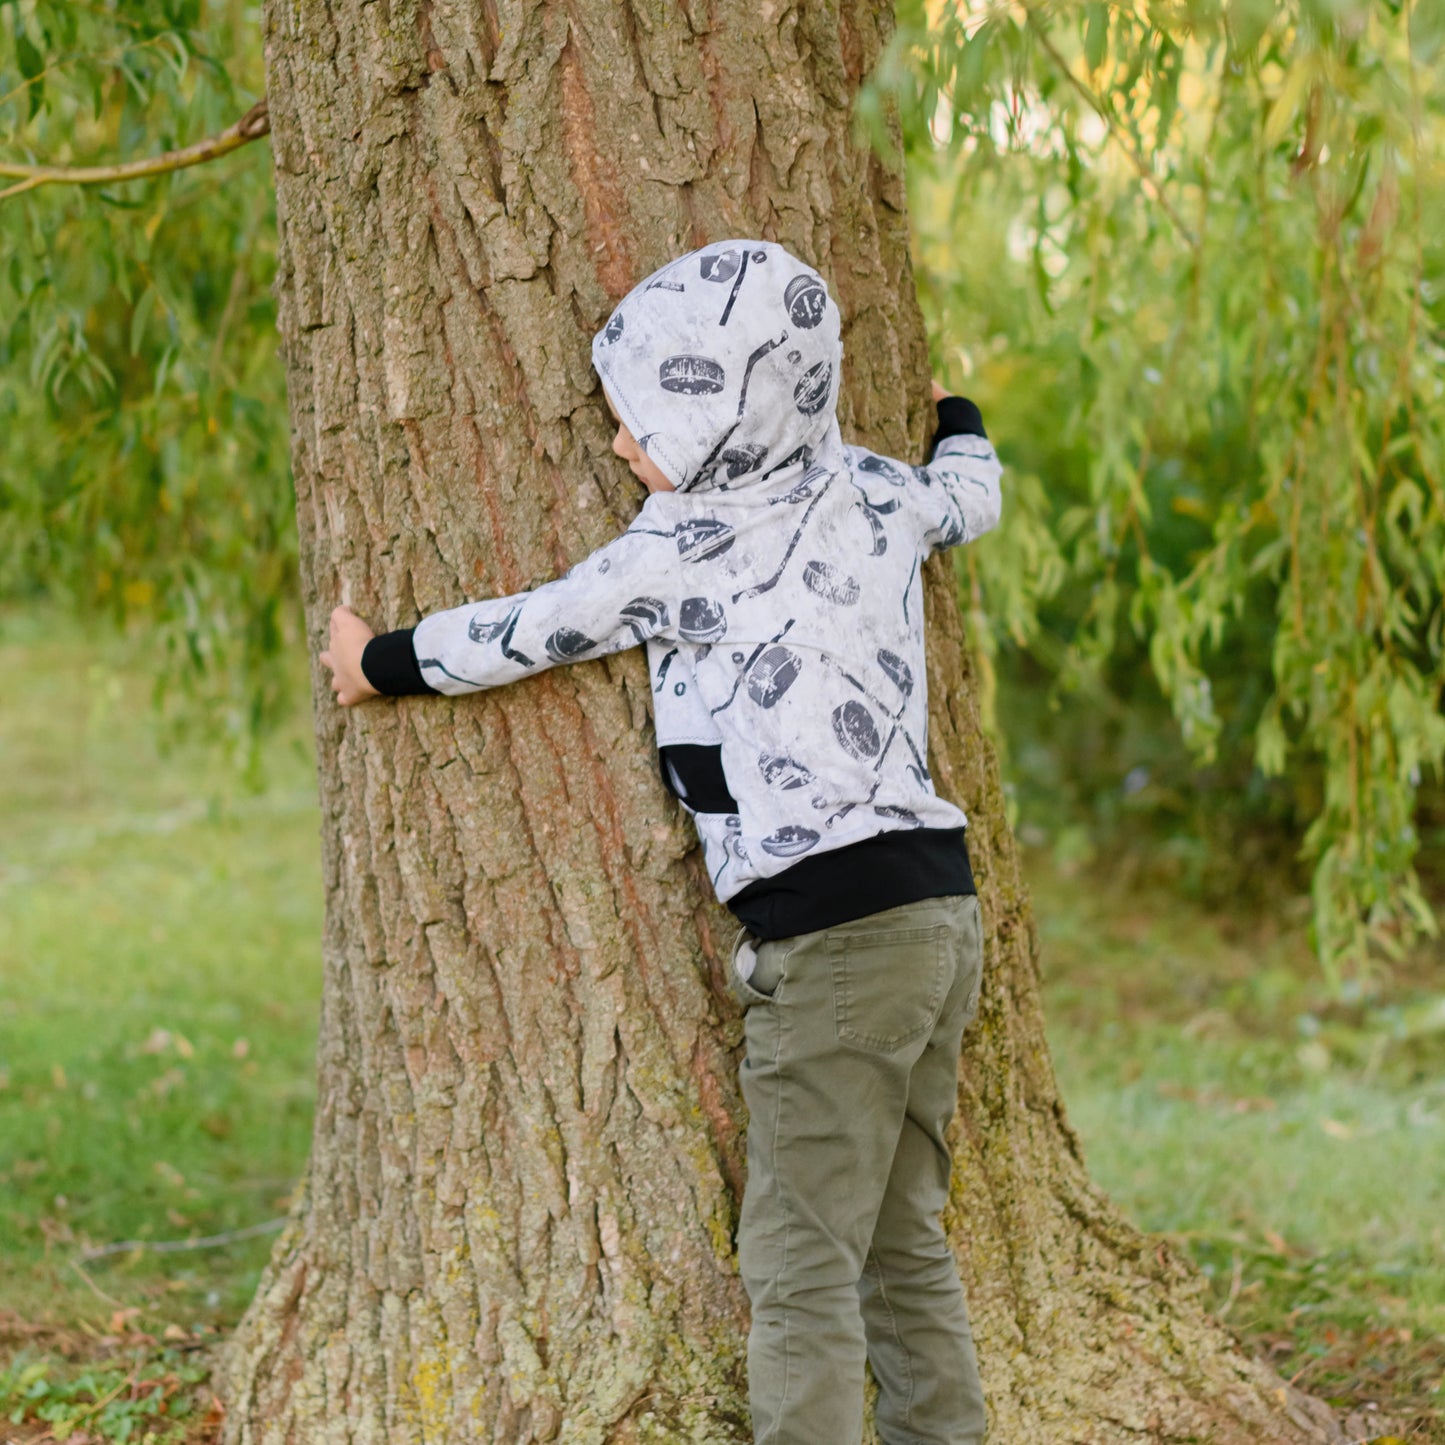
519 1216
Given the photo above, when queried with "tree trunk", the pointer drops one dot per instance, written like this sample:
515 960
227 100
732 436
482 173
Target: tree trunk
518 1219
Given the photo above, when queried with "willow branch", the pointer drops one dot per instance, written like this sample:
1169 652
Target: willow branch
1147 179
251 126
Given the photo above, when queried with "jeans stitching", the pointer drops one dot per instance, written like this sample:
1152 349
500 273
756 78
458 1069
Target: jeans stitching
898 1336
787 1220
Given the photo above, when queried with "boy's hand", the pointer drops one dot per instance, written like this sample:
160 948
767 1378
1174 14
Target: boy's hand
939 392
349 636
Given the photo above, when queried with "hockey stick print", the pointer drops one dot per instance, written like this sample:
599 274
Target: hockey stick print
733 294
756 653
709 462
777 576
662 669
908 588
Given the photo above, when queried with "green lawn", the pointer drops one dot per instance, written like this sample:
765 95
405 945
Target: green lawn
158 987
1292 1141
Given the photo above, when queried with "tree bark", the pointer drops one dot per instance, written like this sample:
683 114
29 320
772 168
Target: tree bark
517 1223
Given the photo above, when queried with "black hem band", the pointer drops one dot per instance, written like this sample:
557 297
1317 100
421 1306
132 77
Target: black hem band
903 866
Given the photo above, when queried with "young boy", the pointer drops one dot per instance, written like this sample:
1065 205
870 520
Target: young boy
773 574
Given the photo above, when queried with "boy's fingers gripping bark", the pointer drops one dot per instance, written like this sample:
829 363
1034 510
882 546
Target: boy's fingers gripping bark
349 636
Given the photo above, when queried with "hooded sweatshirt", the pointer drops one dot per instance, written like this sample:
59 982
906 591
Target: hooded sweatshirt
777 590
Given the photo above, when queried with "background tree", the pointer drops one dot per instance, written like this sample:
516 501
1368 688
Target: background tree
517 1223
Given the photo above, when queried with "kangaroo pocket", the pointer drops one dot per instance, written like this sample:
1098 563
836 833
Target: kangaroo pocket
693 774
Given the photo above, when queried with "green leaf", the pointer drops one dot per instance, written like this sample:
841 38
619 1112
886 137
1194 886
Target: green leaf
1096 35
32 68
139 317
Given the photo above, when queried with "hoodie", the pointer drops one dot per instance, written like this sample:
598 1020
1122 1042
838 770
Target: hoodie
777 590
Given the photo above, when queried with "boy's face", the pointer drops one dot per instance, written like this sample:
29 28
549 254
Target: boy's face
643 467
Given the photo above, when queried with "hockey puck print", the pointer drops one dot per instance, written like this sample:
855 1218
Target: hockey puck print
773 674
645 616
813 388
567 644
692 376
901 815
781 771
881 467
789 841
700 619
830 583
614 328
722 266
899 673
702 538
480 630
742 459
806 299
856 731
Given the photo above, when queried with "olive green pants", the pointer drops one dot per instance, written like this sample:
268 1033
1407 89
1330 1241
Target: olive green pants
851 1078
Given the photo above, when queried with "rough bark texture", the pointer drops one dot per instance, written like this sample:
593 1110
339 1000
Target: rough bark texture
518 1220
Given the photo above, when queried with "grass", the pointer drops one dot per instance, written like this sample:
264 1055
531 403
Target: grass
1292 1142
159 978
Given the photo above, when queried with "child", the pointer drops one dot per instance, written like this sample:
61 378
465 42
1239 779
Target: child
773 574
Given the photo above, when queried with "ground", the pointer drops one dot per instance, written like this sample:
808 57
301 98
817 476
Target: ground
158 991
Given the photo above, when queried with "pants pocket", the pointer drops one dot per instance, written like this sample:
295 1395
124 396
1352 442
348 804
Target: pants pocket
889 986
755 969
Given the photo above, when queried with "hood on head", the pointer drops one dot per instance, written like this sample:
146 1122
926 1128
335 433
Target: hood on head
725 364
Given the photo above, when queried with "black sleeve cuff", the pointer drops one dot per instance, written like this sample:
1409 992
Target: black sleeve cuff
957 416
389 662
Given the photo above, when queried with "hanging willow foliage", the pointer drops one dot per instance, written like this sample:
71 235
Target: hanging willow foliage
1192 252
144 473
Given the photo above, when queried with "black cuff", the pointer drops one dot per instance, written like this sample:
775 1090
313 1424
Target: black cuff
957 416
389 662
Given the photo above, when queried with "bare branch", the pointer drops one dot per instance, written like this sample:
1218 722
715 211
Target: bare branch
252 126
170 1246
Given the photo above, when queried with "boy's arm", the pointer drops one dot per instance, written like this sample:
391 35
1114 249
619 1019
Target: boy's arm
960 497
620 596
